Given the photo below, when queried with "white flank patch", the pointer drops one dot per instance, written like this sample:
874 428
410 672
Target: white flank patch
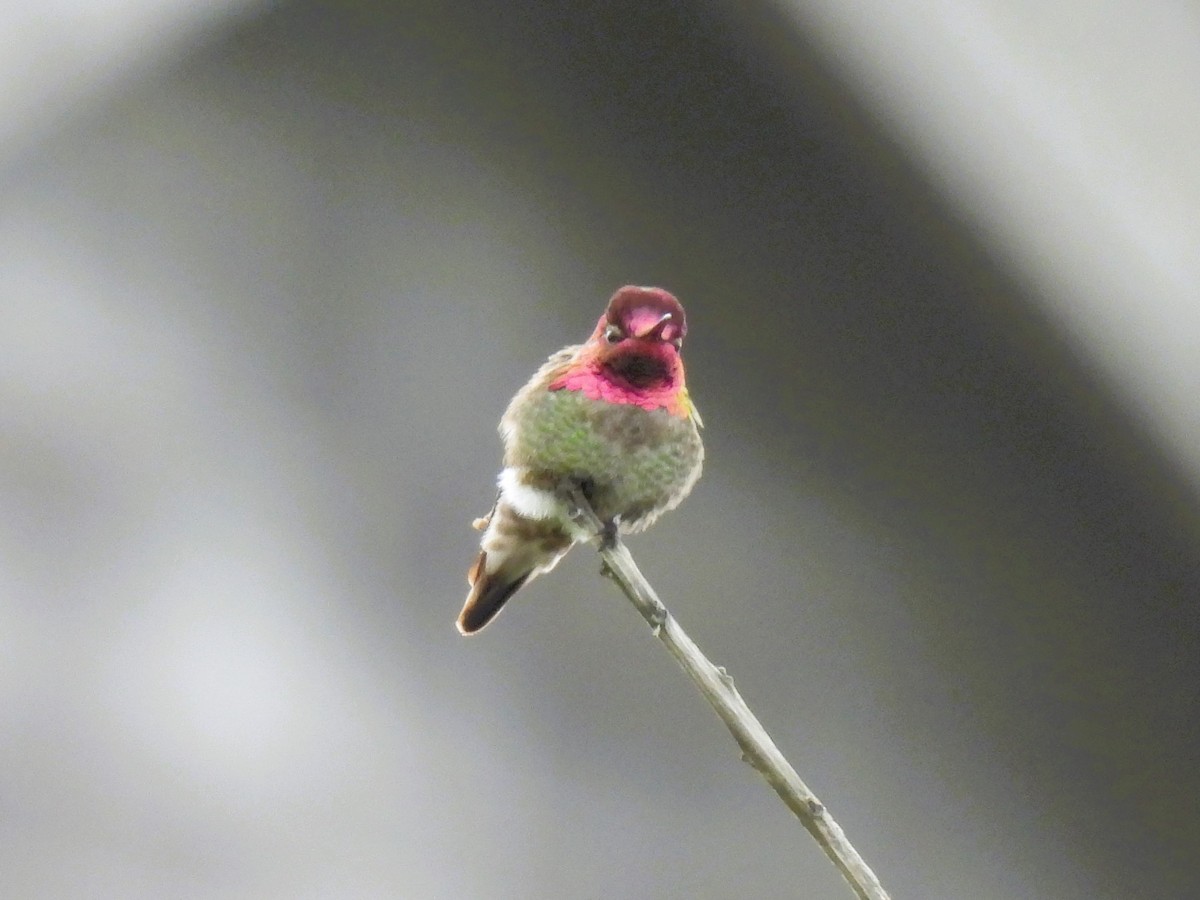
530 502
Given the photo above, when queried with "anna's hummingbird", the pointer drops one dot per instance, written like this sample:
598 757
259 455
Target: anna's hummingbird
611 416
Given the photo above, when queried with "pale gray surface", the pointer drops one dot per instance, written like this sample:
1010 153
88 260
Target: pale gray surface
262 312
1066 131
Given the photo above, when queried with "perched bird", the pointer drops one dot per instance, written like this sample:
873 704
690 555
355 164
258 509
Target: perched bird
611 416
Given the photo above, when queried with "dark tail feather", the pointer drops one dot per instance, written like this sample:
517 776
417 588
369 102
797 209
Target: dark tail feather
488 594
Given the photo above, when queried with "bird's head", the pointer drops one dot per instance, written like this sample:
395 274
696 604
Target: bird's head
646 314
639 337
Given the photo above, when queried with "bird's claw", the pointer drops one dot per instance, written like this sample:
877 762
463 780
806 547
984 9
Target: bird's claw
608 533
578 496
571 494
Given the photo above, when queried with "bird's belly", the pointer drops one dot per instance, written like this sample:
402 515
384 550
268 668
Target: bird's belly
636 463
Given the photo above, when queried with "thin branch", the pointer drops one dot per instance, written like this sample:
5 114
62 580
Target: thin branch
717 686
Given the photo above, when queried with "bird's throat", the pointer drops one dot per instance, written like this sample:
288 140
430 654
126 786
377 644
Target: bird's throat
639 371
647 380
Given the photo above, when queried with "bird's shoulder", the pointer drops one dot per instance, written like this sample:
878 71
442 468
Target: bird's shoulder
549 371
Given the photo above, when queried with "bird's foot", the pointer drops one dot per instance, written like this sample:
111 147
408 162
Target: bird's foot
587 487
577 492
608 533
578 496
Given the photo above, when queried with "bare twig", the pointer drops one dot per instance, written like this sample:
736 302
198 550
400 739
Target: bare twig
717 686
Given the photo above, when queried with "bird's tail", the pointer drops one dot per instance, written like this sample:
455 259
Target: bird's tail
515 549
489 592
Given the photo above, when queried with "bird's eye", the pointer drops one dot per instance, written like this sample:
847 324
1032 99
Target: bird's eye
613 334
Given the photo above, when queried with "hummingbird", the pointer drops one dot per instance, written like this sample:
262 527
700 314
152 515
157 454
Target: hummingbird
611 417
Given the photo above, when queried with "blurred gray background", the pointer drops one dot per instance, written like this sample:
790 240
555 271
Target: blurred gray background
268 276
